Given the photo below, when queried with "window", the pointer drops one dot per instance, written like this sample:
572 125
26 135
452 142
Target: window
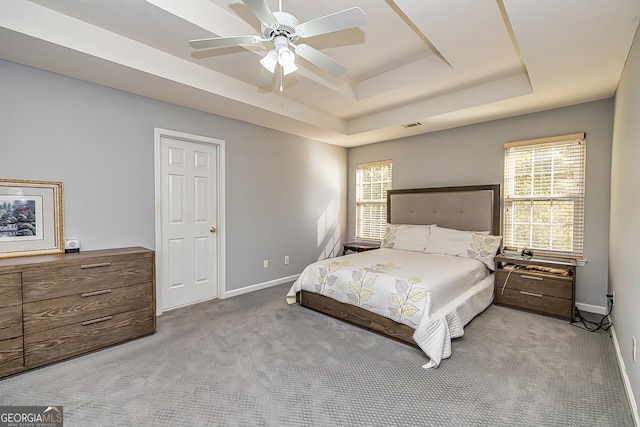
544 194
372 182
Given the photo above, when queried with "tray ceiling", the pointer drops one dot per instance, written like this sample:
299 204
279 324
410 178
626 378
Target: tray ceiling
441 64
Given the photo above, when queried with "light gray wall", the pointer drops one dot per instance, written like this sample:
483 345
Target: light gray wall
99 142
474 155
624 274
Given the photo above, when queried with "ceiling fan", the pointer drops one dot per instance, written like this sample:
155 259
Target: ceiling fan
283 30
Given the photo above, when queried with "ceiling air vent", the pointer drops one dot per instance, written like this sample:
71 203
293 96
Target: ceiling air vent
412 125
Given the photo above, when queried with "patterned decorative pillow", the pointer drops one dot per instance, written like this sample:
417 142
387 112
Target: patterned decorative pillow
484 248
406 237
466 244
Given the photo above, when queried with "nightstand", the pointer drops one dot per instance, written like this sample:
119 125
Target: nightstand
524 284
359 247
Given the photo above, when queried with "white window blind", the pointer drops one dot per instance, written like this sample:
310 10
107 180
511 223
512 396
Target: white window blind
372 182
544 184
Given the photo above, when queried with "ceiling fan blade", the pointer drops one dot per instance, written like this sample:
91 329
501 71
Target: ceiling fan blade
262 12
343 20
320 60
224 42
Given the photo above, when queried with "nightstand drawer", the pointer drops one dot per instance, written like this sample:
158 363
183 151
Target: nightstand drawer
79 338
559 307
545 284
54 313
87 275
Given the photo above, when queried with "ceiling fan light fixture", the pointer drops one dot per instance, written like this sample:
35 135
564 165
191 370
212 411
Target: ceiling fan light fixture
285 56
270 61
286 59
289 68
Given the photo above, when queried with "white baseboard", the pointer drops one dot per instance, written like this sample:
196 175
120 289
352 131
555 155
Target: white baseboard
259 286
625 379
591 308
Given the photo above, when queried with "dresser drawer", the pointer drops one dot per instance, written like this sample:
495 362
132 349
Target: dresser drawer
10 322
10 289
71 340
57 312
558 307
89 274
545 284
11 356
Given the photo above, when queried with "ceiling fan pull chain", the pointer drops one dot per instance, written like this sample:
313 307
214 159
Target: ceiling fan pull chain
281 77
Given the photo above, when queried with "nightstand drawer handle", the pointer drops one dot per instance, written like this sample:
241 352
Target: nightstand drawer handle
531 277
100 264
94 293
99 319
531 294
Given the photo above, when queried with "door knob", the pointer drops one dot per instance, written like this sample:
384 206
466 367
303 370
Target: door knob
212 229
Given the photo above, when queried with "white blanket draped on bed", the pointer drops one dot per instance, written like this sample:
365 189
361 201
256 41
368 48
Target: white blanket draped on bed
434 294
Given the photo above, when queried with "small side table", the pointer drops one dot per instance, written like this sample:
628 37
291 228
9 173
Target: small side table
359 247
543 286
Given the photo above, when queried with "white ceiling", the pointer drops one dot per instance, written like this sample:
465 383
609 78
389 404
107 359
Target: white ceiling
443 63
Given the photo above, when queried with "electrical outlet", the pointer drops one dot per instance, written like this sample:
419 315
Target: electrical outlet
613 298
286 259
633 348
265 263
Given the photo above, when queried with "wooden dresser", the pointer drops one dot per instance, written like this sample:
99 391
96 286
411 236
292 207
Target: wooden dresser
53 307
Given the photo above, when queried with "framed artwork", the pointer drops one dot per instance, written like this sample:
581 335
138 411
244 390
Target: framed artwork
31 217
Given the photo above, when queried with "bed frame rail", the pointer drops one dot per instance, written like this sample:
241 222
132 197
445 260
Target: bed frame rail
357 316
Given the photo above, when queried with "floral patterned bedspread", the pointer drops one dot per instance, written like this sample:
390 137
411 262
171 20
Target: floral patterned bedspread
408 287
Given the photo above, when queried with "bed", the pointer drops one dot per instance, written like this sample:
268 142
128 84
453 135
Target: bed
432 275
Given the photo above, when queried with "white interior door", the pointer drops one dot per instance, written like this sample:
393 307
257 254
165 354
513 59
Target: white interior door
189 220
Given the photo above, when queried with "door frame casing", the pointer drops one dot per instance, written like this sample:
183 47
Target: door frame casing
220 207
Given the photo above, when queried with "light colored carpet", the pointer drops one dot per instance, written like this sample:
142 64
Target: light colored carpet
252 360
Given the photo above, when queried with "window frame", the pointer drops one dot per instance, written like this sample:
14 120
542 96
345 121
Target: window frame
577 144
379 203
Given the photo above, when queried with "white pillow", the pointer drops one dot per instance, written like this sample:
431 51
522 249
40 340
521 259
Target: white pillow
447 241
467 244
406 237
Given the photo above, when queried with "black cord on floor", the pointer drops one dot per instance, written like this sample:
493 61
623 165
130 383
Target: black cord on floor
604 324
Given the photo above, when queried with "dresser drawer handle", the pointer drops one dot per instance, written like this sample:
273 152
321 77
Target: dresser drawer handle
531 277
531 294
94 293
100 264
98 320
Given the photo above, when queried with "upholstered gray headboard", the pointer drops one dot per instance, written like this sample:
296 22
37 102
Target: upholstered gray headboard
470 208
